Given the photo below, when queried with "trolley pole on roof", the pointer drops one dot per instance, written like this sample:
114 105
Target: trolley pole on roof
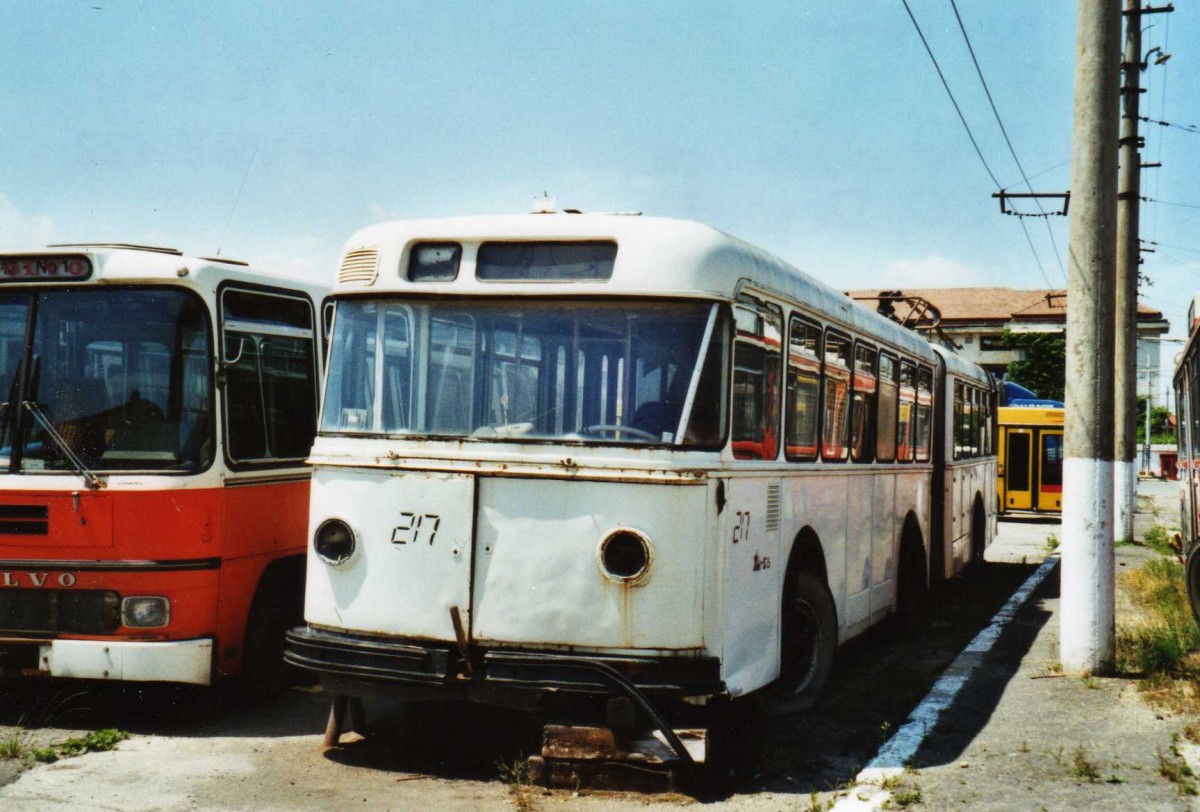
1128 254
1087 636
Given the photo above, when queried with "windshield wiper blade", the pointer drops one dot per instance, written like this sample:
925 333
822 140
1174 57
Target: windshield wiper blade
85 474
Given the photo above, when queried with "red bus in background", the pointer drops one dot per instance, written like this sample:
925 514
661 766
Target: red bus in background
157 412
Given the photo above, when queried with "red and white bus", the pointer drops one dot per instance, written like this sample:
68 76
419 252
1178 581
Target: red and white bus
157 412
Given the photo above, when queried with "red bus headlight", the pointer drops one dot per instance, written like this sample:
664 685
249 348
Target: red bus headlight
145 612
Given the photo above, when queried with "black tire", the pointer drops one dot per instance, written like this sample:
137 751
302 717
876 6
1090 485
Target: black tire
263 670
1193 582
912 590
978 538
808 639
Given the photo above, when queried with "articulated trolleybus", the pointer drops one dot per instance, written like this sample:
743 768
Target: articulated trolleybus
562 453
153 494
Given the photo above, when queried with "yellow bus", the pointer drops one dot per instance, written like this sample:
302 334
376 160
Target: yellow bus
1031 457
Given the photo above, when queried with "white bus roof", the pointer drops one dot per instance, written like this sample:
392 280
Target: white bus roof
130 264
656 256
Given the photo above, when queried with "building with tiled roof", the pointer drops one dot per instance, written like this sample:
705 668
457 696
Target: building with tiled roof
973 320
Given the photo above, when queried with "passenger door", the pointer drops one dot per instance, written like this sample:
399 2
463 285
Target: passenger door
1018 470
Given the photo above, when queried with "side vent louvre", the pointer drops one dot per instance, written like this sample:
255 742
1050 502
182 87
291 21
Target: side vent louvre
359 267
773 502
24 520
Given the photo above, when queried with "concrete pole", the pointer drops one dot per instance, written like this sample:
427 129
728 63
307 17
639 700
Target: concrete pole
1087 618
1125 411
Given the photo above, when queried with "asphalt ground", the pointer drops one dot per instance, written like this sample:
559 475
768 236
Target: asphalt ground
1009 741
1024 735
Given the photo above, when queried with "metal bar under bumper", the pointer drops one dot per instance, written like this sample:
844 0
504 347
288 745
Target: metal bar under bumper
411 662
366 658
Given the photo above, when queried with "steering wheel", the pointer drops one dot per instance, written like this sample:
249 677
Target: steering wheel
605 428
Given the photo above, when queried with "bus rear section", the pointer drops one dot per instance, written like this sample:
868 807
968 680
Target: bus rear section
153 496
1031 460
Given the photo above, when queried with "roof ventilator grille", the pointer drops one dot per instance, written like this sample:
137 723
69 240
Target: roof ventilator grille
773 504
359 267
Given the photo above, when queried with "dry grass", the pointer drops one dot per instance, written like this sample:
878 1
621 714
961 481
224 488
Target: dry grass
1161 637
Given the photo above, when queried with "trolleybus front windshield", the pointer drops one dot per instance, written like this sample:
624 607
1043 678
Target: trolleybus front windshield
115 378
621 372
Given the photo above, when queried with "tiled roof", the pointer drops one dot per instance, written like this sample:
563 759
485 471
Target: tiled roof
973 305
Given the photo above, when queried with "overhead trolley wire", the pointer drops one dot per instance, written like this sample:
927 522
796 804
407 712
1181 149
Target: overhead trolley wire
1004 131
970 134
1169 203
1185 127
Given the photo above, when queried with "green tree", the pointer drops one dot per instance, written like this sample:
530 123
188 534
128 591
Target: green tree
1161 430
1044 367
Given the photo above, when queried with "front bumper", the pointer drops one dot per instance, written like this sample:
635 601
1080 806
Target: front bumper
380 663
185 661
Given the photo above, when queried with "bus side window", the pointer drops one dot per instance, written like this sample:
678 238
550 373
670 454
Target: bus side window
862 406
269 358
959 435
906 412
885 432
924 421
803 389
756 379
835 406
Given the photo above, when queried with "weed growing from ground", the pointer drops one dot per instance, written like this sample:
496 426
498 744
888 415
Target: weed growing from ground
1083 767
1172 767
1159 540
1159 640
97 741
12 747
903 798
1051 543
520 786
15 746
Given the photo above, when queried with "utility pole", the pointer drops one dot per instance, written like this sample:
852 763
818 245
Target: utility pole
1128 259
1087 634
1125 405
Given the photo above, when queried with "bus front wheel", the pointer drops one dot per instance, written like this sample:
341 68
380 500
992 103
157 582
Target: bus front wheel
808 640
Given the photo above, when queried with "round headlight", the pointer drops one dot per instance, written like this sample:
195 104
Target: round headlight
334 542
625 556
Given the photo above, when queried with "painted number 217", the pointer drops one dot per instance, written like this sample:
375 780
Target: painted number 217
741 530
414 526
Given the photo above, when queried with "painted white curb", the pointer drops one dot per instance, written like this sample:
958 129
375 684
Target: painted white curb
904 743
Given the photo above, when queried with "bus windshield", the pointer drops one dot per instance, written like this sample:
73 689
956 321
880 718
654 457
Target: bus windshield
618 372
117 378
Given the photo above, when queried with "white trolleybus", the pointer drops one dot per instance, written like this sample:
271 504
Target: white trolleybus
565 454
157 412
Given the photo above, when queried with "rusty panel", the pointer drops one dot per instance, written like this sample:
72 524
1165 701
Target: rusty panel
538 578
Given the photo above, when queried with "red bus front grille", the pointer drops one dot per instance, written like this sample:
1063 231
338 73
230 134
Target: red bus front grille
84 611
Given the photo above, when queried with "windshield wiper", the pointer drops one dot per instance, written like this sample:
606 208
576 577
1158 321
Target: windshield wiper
91 479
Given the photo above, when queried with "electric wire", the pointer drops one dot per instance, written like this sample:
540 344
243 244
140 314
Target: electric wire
1044 171
1185 127
1169 203
1173 247
937 67
1004 131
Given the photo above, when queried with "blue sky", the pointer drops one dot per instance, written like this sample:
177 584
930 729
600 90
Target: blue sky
819 131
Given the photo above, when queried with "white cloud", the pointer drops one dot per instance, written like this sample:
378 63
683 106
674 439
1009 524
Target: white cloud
300 257
21 230
932 271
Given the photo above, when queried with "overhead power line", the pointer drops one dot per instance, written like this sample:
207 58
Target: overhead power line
970 134
1169 203
1185 127
1012 150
